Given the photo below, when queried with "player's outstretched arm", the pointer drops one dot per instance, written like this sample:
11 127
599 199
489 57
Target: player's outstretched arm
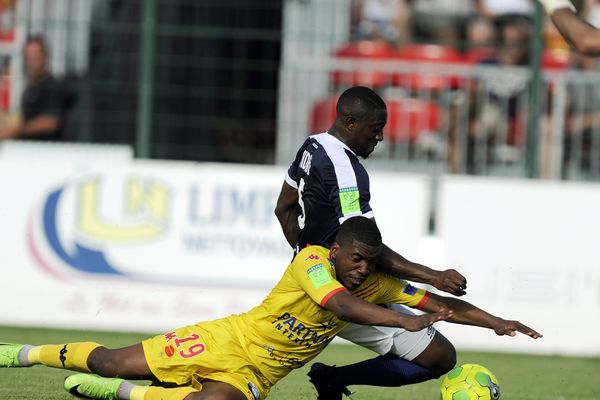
584 37
353 309
286 212
450 280
468 314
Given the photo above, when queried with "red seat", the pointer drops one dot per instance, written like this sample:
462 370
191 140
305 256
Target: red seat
323 114
408 118
5 93
427 53
366 50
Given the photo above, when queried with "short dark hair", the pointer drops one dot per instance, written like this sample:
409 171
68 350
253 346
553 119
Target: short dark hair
360 229
358 101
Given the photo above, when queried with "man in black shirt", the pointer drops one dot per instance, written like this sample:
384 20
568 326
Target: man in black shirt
41 102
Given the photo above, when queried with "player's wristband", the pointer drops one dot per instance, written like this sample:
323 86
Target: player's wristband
553 5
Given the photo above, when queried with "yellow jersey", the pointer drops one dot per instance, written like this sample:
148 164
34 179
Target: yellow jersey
291 326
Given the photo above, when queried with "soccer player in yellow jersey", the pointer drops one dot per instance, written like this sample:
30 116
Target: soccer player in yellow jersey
240 357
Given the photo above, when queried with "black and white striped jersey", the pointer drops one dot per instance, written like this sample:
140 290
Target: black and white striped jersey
332 187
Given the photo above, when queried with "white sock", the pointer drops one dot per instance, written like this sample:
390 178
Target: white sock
124 391
23 353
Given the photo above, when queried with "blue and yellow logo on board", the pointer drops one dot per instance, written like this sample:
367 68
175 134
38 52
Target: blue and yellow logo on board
143 214
148 200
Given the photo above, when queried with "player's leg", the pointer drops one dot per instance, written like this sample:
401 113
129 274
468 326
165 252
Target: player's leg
439 356
406 358
217 391
90 386
67 355
389 369
128 362
94 387
427 348
395 370
79 356
209 357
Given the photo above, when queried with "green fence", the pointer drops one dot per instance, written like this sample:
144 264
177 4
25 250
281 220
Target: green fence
175 79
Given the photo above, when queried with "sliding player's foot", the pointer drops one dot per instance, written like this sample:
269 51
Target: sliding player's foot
9 355
88 386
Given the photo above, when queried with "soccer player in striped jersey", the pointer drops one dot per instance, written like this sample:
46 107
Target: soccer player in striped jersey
325 185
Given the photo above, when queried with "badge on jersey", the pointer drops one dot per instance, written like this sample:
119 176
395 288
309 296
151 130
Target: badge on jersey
350 200
319 276
410 290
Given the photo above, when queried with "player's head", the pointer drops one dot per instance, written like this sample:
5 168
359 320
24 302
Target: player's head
355 251
360 115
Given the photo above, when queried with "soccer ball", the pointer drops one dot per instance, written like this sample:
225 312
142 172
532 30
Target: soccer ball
470 382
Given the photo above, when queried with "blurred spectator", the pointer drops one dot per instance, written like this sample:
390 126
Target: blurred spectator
479 46
480 40
380 20
502 11
514 44
480 33
441 21
499 118
582 137
42 100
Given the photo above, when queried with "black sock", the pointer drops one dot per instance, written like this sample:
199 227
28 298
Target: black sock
388 370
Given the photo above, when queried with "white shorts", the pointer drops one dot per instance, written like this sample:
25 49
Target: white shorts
384 340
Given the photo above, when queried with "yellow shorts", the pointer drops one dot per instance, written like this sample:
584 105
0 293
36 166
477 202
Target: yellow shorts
205 351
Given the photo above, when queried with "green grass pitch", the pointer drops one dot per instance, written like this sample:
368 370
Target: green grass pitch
522 377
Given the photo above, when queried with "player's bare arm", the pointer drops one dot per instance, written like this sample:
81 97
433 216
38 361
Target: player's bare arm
584 37
450 280
287 213
468 314
354 309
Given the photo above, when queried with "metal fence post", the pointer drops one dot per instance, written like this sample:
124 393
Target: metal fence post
534 106
145 80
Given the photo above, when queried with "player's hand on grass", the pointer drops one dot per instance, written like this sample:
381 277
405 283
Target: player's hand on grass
416 323
510 328
450 281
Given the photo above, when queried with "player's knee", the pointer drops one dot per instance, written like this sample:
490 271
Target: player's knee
446 359
102 362
449 361
439 356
